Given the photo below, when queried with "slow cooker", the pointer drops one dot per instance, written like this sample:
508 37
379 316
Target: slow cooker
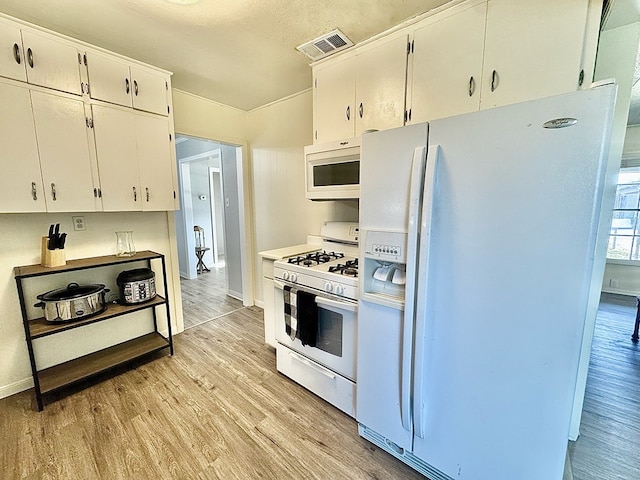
137 285
72 302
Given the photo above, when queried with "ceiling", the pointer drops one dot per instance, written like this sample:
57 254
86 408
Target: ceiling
237 52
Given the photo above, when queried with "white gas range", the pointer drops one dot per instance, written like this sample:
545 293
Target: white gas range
316 302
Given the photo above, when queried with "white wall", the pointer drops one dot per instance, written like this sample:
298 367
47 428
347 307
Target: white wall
283 216
20 236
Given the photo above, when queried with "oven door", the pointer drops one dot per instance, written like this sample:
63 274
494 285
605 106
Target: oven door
336 343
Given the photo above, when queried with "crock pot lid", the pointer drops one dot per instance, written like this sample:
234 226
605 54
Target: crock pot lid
135 275
73 290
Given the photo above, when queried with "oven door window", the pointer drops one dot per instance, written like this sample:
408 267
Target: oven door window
330 328
331 174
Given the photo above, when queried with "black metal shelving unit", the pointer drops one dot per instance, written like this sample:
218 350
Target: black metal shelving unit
72 372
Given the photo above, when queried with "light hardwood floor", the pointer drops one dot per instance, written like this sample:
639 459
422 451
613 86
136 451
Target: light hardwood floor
219 410
609 443
204 298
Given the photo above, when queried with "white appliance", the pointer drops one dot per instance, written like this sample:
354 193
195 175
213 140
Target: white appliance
333 170
469 371
326 366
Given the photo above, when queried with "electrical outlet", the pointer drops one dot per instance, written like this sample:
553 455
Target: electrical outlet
613 283
78 224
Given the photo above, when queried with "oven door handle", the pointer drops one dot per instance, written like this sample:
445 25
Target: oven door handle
327 302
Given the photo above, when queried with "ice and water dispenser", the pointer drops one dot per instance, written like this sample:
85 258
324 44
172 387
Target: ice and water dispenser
385 262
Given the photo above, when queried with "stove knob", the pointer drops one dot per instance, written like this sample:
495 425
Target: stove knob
339 289
328 287
293 277
285 275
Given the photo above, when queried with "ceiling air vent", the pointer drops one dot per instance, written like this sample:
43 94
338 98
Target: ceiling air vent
325 45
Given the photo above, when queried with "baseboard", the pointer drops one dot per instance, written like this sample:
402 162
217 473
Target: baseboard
16 387
259 303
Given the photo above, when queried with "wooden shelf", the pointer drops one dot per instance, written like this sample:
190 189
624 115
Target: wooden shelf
73 371
36 270
39 327
87 366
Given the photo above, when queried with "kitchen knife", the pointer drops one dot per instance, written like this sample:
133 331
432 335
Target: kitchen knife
51 242
63 238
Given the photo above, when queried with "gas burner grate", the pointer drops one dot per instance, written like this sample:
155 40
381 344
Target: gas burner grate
349 268
315 258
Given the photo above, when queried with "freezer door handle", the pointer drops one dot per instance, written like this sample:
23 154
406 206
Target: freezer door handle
415 197
428 205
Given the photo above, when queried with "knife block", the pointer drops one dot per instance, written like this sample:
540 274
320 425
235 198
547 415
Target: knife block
52 258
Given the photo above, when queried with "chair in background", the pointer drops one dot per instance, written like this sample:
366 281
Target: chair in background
201 248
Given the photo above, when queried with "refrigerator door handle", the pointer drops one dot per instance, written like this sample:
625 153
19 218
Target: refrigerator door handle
428 205
415 197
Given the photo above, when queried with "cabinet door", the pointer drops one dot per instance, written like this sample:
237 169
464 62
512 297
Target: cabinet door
51 63
20 182
447 65
115 136
11 54
532 49
61 130
334 95
109 79
154 162
381 74
149 90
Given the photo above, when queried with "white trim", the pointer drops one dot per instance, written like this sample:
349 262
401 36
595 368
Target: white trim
16 387
618 261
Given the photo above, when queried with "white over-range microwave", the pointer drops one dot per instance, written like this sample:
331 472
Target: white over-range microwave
333 170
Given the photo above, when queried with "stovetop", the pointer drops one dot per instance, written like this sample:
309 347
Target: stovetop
331 272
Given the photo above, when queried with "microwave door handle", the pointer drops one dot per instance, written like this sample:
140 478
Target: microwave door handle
327 302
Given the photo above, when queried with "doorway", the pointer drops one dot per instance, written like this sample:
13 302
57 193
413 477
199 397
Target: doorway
209 231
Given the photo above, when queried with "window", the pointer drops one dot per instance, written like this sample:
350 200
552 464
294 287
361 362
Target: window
624 239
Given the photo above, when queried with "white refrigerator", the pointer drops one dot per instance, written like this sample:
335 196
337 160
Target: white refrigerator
482 236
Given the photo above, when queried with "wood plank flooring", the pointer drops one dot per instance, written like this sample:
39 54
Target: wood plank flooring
218 409
205 297
609 443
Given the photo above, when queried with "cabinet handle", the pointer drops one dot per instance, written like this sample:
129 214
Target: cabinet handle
494 81
147 189
30 57
348 113
34 191
16 53
126 85
54 194
135 87
99 193
472 85
361 110
135 194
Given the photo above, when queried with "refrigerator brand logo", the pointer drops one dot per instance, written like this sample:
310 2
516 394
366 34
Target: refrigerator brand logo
560 123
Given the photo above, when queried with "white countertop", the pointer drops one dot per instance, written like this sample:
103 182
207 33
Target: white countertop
285 252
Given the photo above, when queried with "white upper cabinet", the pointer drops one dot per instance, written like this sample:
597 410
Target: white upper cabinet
114 131
116 81
155 162
447 63
381 73
65 160
334 99
11 53
20 182
361 92
532 49
149 91
134 159
51 62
